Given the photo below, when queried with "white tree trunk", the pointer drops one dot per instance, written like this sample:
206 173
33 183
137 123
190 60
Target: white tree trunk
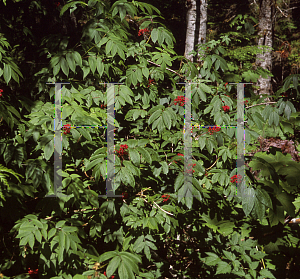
202 27
196 19
264 60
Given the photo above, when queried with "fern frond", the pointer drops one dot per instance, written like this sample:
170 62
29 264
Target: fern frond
4 173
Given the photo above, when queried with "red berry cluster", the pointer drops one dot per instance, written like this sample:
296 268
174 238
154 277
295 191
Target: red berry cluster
236 178
67 129
124 195
225 85
112 277
178 154
181 100
57 4
150 81
121 151
1 90
226 108
142 31
33 272
189 171
103 106
213 129
166 197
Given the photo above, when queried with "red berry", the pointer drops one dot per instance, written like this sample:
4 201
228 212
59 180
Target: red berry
0 94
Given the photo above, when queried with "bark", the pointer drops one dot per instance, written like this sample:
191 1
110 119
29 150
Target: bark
265 34
202 27
196 18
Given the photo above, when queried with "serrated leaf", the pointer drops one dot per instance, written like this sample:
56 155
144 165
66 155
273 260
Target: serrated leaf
134 156
100 66
113 265
154 35
64 66
77 58
49 149
31 240
223 268
167 119
92 63
71 61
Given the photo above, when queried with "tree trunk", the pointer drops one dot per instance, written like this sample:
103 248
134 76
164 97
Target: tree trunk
265 34
196 18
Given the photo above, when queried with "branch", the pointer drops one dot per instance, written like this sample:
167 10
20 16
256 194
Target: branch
261 104
281 11
169 213
255 105
163 209
167 69
213 163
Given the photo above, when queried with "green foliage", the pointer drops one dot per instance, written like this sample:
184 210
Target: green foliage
4 172
144 234
8 68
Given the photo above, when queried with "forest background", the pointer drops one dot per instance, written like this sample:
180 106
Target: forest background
158 226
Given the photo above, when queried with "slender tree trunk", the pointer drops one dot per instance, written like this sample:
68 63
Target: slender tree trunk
202 27
265 34
196 18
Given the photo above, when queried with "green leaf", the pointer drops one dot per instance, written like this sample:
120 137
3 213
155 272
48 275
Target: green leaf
70 5
7 73
64 66
67 111
100 66
165 167
122 271
113 265
167 119
264 197
223 268
49 149
145 72
38 235
259 209
78 58
85 133
108 47
287 201
92 63
71 61
154 35
248 199
134 156
51 233
127 177
265 273
31 240
145 154
61 239
212 259
154 116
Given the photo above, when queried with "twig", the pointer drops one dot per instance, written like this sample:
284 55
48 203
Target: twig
255 105
281 12
74 211
167 69
163 209
213 163
262 104
141 194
